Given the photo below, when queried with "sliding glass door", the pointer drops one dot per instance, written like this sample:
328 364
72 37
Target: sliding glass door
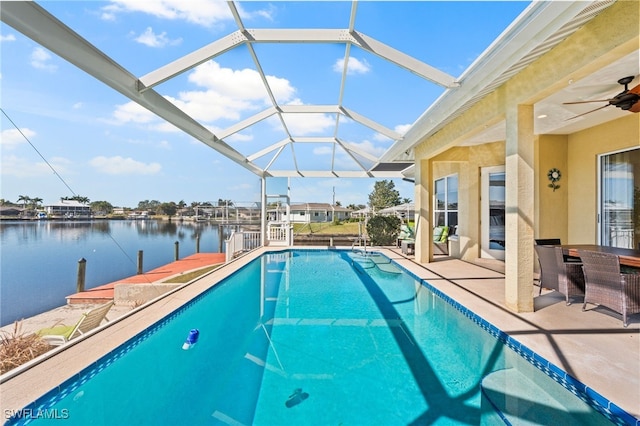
620 199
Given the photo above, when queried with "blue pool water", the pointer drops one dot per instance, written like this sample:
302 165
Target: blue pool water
319 338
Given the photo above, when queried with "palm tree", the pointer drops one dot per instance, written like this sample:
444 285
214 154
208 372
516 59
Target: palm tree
35 202
24 199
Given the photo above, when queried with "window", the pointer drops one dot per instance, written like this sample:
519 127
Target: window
445 209
620 199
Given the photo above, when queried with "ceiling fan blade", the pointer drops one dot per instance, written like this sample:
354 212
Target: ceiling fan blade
588 112
635 107
587 102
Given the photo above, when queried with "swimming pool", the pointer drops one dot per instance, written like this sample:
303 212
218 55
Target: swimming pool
318 337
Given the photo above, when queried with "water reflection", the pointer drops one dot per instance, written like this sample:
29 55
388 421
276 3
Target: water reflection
38 259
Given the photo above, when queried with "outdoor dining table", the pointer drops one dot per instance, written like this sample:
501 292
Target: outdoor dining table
628 257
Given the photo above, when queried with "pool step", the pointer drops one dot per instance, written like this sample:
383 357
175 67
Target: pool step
370 260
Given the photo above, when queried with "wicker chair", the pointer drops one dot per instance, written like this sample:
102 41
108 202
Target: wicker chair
607 286
556 274
548 242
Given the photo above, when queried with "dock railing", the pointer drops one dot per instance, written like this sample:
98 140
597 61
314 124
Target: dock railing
240 242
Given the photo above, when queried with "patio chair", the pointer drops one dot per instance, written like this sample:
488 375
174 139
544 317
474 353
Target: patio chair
440 240
548 242
61 334
406 239
607 286
556 274
555 242
406 233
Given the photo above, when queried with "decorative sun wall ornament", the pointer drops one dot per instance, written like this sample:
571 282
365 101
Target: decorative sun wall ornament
554 176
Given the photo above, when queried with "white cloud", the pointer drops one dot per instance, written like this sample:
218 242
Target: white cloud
206 13
239 137
355 66
77 105
227 94
131 112
200 12
149 38
22 168
368 147
11 138
40 59
306 124
323 150
244 84
8 37
402 128
164 144
210 106
123 166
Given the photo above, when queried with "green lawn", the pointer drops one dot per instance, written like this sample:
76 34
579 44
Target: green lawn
346 228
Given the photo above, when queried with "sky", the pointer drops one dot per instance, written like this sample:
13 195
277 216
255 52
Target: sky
63 133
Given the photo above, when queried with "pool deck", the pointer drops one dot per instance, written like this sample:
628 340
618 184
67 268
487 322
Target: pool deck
592 346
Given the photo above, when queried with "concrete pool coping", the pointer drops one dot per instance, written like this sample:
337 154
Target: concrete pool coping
592 346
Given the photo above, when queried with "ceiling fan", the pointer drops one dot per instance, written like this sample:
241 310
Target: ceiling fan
628 100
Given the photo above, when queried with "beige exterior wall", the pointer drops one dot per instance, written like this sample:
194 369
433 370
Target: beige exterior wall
467 162
583 150
570 212
551 206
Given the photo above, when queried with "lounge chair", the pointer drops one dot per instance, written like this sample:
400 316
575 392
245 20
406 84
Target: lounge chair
607 286
556 274
61 334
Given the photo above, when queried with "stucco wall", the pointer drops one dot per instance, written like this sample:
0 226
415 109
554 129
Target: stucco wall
583 150
468 162
551 206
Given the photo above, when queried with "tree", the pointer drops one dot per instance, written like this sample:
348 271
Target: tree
169 209
148 205
384 195
78 198
383 230
24 199
81 199
35 202
102 206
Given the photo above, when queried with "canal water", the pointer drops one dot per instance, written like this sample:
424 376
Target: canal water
39 259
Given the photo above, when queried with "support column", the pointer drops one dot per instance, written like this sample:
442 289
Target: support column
424 232
519 208
263 211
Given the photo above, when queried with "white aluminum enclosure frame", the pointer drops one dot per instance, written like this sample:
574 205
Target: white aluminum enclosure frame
540 27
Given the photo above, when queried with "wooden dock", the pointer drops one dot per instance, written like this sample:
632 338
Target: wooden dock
105 293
